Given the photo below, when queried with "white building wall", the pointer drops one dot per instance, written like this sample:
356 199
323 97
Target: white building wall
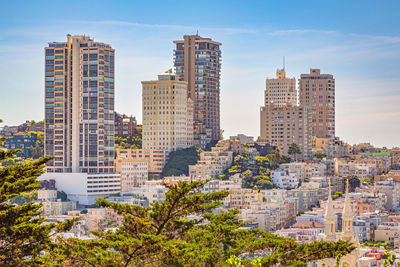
83 187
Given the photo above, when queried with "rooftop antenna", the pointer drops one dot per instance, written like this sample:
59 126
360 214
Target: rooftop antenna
283 62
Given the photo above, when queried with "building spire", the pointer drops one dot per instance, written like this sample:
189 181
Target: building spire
329 211
347 217
330 218
347 210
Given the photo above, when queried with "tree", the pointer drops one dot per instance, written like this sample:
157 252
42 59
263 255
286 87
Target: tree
180 160
294 150
320 155
37 151
163 235
354 182
62 195
23 234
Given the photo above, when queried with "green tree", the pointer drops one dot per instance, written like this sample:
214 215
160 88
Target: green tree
23 234
31 123
354 182
37 151
180 160
62 195
294 150
320 155
163 235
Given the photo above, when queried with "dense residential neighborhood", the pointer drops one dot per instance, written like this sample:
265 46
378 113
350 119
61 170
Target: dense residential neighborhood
88 185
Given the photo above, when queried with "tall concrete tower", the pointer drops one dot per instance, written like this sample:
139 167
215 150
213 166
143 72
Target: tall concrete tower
79 106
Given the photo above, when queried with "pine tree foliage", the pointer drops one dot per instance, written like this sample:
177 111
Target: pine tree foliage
181 231
23 234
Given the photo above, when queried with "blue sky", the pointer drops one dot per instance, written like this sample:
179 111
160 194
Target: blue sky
356 41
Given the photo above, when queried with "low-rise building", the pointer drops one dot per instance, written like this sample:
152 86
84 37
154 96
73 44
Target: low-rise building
233 145
395 158
346 169
243 139
47 195
153 193
23 141
211 163
85 187
388 232
155 159
133 174
285 180
55 208
125 126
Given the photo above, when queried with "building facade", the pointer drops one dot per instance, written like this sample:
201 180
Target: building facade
155 159
133 174
282 126
167 114
281 91
79 106
197 61
125 126
211 163
317 95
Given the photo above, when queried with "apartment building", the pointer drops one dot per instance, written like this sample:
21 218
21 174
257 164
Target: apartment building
242 198
211 163
345 169
79 106
197 61
167 113
125 126
282 126
395 158
133 174
317 95
280 91
284 179
155 159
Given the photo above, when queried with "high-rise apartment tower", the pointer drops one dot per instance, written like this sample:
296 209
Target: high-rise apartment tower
167 114
282 121
317 94
79 106
197 61
281 91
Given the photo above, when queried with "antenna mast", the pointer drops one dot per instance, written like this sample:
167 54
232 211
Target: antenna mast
283 62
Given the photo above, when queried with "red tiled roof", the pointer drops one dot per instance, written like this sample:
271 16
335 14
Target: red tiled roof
308 224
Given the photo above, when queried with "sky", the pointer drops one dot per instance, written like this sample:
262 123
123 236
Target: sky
356 41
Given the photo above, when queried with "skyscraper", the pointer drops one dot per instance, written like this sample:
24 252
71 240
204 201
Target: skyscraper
79 106
282 121
167 114
281 91
317 94
197 61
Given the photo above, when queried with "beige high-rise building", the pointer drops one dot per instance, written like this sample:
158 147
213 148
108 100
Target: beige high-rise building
317 94
79 106
167 114
282 121
285 125
197 60
281 91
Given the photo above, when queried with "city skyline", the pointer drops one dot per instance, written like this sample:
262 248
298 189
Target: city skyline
362 57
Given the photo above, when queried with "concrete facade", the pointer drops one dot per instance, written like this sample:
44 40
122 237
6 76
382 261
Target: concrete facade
167 114
197 61
79 106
